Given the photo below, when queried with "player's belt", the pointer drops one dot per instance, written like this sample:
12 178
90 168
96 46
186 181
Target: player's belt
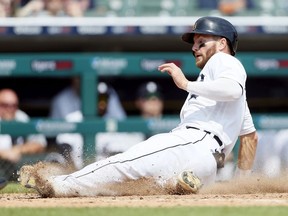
208 132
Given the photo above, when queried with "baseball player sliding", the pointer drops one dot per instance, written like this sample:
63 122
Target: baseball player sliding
212 118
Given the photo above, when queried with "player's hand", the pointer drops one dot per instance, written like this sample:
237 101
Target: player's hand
176 73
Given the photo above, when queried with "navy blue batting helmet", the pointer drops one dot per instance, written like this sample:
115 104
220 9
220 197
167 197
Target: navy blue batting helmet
214 26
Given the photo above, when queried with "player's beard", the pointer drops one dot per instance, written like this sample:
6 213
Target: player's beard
203 59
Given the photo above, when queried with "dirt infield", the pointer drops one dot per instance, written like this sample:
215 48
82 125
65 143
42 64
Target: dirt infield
248 192
252 191
33 200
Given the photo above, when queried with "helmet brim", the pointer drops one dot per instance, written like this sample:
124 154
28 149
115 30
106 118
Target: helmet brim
189 36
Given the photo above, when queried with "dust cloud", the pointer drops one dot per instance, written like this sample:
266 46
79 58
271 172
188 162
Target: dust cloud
149 186
249 185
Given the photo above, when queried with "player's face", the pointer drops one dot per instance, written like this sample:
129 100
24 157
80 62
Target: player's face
203 48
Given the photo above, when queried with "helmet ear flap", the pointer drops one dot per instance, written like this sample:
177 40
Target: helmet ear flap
232 47
233 44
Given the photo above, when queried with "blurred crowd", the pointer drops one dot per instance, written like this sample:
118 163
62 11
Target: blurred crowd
90 8
38 8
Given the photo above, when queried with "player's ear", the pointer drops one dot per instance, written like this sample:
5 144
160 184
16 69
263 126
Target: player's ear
223 44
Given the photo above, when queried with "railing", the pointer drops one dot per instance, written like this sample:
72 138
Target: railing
155 25
90 127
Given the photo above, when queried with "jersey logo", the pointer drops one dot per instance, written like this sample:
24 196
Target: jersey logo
201 79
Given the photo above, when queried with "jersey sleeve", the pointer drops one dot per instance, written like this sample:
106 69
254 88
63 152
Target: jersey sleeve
229 67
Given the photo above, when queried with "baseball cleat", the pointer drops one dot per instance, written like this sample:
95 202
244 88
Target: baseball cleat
30 178
26 178
188 182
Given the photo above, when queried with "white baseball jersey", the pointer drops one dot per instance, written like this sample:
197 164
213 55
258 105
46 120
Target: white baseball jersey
225 119
206 126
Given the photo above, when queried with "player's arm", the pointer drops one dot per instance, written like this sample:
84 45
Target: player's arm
248 145
246 154
221 89
215 90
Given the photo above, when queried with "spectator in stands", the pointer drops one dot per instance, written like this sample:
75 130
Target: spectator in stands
226 7
207 4
59 8
12 148
76 8
8 7
66 101
150 100
231 7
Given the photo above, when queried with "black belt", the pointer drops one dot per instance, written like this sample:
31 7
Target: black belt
208 132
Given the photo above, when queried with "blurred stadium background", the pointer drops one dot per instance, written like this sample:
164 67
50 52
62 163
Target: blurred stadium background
132 36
